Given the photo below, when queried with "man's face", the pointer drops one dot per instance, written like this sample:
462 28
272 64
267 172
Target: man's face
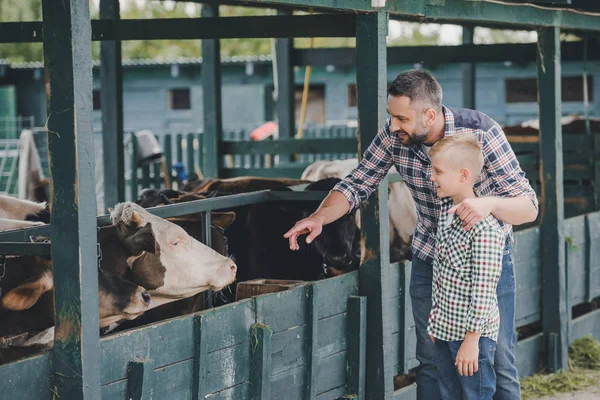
406 122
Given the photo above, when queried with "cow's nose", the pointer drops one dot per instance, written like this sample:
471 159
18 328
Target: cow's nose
233 268
146 297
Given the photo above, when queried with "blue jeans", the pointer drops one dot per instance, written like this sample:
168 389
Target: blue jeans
507 387
480 386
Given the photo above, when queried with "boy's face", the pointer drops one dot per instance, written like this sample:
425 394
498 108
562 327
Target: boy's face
448 180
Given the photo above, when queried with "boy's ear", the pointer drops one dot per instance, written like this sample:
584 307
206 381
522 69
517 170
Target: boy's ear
464 174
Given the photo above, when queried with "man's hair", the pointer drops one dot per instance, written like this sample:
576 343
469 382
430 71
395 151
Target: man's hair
423 90
464 151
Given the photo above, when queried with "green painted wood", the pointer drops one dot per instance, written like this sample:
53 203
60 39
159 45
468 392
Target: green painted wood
173 381
116 390
68 73
331 372
191 162
157 180
32 249
140 380
333 394
330 340
21 32
212 27
165 343
586 325
285 86
283 310
371 31
228 368
554 293
528 355
229 325
406 393
111 95
576 259
596 167
201 157
179 147
594 276
146 176
134 167
357 346
312 330
292 172
200 358
29 378
239 392
168 149
288 385
211 94
290 146
260 387
468 71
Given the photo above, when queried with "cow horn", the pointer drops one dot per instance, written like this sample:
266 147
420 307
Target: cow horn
165 199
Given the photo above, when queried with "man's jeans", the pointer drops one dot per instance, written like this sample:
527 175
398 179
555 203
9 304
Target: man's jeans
480 386
508 387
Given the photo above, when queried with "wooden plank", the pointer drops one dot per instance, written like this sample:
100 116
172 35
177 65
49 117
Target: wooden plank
406 393
134 167
213 27
260 374
289 349
575 254
285 85
357 346
174 381
289 146
371 31
29 378
338 290
331 338
528 355
292 172
111 98
228 325
200 358
239 392
554 293
594 276
229 367
211 95
283 310
191 162
176 338
312 330
586 325
468 71
115 390
333 394
331 372
168 155
32 249
140 380
288 385
68 72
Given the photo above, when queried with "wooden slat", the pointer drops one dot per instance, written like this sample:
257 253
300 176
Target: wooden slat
211 95
371 30
140 380
111 99
468 71
285 85
260 374
283 310
278 172
29 378
289 146
528 355
133 183
576 259
554 293
68 72
312 330
586 325
357 346
594 261
338 290
407 393
32 249
200 358
175 381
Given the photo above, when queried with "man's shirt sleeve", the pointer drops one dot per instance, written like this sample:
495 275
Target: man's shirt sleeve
486 265
366 177
504 167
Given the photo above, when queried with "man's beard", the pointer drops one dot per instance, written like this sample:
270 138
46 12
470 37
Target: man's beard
417 137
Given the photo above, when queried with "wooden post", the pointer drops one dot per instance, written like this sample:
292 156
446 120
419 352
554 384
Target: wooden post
312 339
200 358
68 71
140 380
468 71
211 93
357 346
371 82
554 290
285 84
190 157
260 353
168 159
134 167
111 96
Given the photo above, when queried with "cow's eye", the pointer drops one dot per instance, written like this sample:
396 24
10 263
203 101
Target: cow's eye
175 242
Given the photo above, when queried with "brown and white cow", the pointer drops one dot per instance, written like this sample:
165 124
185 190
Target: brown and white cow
401 206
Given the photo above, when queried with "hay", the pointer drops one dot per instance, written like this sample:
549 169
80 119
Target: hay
585 353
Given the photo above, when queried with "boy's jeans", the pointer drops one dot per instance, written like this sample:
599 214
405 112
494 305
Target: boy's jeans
480 386
508 387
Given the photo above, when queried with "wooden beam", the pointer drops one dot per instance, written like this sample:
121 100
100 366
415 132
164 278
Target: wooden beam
289 146
271 26
111 100
285 86
260 372
468 71
211 94
140 379
68 65
357 346
371 83
554 289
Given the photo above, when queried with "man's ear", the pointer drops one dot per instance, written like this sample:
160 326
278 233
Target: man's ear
429 117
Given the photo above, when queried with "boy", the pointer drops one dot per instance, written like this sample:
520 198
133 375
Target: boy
464 319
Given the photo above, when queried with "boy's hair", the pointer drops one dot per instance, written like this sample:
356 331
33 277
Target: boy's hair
464 151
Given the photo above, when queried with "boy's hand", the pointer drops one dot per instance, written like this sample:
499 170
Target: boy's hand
468 355
472 210
432 338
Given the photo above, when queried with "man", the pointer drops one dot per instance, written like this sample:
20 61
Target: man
417 121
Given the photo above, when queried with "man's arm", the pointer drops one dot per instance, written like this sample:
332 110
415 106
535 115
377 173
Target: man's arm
510 210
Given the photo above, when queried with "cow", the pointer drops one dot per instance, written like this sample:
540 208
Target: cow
244 184
24 210
402 211
256 236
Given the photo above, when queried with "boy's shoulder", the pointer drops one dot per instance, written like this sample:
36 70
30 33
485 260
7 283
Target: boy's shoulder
490 225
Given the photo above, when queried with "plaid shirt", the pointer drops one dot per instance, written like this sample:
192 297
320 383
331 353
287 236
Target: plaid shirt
466 270
501 175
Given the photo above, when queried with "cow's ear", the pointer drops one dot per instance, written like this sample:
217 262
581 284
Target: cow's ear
136 218
223 219
25 295
142 240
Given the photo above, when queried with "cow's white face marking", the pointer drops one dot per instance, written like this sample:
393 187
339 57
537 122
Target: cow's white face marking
18 209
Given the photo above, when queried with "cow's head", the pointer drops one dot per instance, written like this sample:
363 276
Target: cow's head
155 197
165 259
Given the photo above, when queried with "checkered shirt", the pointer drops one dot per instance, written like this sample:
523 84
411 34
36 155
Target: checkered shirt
466 270
501 176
